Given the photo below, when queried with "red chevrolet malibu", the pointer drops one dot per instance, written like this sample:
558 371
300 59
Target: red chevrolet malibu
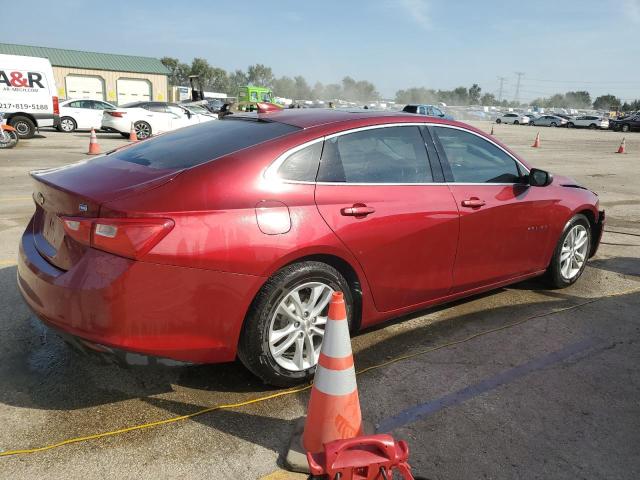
226 239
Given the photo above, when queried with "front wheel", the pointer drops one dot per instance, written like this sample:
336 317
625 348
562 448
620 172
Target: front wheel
570 125
593 126
498 121
516 122
283 331
8 139
24 126
625 128
553 124
572 251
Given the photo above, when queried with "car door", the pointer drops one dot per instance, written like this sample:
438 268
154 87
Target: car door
158 117
504 223
376 190
97 111
179 117
82 114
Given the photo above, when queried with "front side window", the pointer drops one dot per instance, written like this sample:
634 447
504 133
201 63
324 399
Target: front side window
475 160
302 165
380 155
437 112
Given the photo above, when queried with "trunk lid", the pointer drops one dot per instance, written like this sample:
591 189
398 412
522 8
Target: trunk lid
79 190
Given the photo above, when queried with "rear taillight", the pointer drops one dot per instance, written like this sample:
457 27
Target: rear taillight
115 113
126 237
56 106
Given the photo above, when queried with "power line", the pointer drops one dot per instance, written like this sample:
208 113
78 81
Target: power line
517 95
502 79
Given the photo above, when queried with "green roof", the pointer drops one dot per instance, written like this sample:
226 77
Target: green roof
89 60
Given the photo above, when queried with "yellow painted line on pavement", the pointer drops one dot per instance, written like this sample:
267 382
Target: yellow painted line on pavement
7 261
15 199
284 475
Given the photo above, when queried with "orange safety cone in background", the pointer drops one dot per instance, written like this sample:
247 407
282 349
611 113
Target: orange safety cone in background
491 129
622 147
334 406
94 148
133 137
536 143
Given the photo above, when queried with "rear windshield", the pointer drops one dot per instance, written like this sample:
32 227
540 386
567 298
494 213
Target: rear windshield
410 109
198 144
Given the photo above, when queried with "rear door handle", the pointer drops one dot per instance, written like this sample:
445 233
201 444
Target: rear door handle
473 202
357 210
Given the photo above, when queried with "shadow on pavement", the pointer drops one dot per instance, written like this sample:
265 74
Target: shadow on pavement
623 265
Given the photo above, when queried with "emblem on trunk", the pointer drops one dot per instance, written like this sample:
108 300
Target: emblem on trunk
83 207
40 198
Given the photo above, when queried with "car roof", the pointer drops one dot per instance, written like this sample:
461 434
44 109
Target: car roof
315 117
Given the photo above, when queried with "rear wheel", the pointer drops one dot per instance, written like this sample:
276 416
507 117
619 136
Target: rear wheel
515 122
8 139
67 125
143 130
553 124
593 126
570 125
24 126
625 127
572 251
283 330
498 120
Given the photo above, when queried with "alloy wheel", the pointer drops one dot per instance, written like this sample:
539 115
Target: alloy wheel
574 252
297 326
66 124
143 130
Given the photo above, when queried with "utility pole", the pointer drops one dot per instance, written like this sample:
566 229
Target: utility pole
516 97
502 79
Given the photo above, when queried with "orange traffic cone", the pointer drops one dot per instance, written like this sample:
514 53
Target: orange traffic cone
536 144
491 129
334 406
133 137
622 147
94 149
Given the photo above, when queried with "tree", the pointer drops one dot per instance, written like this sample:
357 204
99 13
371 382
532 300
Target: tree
603 102
237 79
302 91
488 99
474 94
580 99
317 92
179 72
332 91
260 75
284 87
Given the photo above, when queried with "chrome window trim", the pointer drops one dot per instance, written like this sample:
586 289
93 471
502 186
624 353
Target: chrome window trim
271 172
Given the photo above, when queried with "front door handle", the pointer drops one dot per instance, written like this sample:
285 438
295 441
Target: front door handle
357 210
473 202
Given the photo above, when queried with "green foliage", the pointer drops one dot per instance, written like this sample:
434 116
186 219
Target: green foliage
604 102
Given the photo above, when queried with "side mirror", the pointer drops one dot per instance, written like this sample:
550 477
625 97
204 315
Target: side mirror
539 178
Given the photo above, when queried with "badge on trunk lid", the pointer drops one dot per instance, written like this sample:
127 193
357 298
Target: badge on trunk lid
83 207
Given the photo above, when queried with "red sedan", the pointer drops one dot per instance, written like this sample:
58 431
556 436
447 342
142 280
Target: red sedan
226 239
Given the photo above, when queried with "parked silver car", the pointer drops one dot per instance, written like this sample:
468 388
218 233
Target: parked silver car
549 121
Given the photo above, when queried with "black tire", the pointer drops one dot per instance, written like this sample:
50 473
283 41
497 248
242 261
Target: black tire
554 277
553 124
625 127
498 121
143 130
64 121
8 140
516 122
125 135
593 126
570 125
253 347
24 125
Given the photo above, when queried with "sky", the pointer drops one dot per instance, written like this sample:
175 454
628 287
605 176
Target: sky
559 45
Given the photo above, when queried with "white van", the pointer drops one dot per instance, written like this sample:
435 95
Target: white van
28 94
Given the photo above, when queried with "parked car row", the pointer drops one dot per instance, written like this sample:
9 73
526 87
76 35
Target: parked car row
559 120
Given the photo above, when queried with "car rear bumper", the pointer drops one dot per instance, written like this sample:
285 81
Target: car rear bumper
115 124
109 304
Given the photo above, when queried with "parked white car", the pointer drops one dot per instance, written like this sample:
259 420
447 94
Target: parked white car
514 118
82 114
151 118
589 121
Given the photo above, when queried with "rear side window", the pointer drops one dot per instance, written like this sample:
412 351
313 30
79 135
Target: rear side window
475 160
410 109
198 144
381 155
302 165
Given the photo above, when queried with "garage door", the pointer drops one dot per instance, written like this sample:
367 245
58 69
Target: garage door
91 88
130 90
